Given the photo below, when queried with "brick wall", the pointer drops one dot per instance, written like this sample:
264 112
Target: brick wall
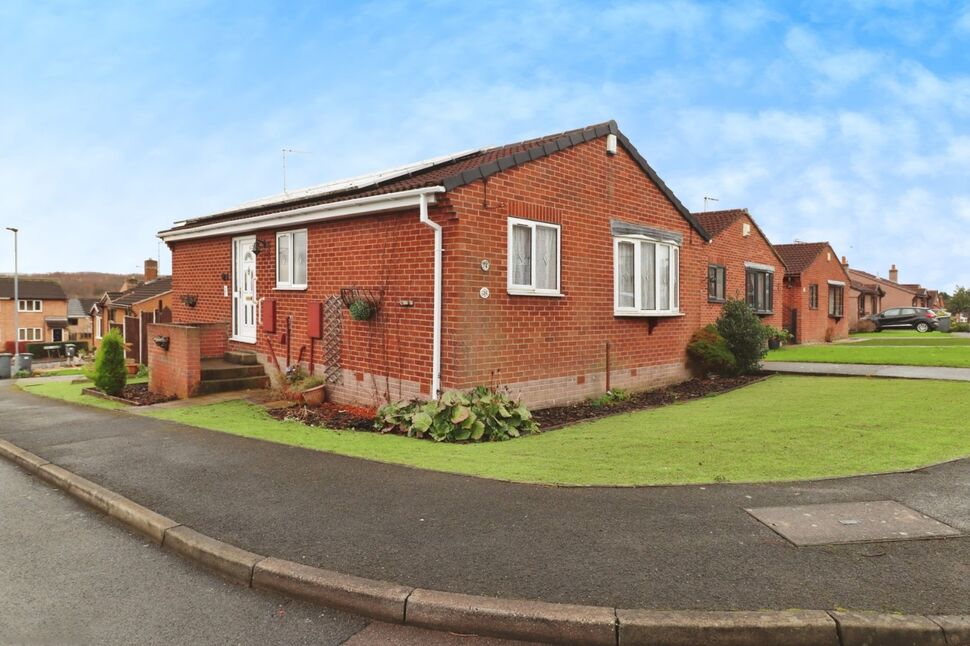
176 371
814 325
553 350
731 249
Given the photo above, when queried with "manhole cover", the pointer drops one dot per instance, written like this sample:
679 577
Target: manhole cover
851 522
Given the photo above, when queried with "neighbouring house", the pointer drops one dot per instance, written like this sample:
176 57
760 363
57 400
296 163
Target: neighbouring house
79 324
741 263
864 297
554 267
815 292
41 309
133 308
891 293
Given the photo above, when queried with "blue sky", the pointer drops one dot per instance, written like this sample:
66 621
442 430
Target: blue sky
841 121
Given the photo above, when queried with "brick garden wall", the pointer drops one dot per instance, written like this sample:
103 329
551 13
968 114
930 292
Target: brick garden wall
731 249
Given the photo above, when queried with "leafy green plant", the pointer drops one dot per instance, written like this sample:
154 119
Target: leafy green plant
142 371
483 414
711 351
22 374
611 396
778 334
744 334
361 310
960 327
110 373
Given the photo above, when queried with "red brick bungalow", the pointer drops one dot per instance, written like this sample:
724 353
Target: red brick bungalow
741 263
565 264
815 292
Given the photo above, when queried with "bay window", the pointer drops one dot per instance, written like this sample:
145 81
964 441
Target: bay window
646 277
291 260
534 258
759 291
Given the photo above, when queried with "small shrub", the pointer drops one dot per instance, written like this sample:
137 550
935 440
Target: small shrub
142 371
611 396
22 374
711 351
481 415
744 334
110 373
361 310
865 325
960 327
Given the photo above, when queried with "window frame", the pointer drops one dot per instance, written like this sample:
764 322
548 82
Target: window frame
290 285
22 305
769 278
39 335
813 296
840 290
673 285
713 298
531 290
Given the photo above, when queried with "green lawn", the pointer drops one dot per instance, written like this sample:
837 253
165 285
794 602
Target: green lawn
867 352
777 429
72 393
61 372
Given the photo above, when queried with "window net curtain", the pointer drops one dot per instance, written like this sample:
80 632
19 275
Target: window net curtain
521 255
547 252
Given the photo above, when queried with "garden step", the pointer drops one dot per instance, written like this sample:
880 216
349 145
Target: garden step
225 385
213 369
241 357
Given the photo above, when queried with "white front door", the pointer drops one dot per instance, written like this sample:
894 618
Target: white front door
244 289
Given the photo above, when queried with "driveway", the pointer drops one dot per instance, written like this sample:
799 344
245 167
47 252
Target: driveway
653 547
867 370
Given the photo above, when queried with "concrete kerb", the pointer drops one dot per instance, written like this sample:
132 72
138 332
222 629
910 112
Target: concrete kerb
505 618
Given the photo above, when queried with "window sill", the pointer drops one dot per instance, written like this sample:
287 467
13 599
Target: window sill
520 292
648 314
719 301
764 312
293 288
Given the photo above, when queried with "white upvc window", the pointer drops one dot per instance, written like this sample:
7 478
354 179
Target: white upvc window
646 277
30 306
291 259
30 334
534 253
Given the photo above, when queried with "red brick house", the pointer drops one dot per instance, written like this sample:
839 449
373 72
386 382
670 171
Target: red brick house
741 263
552 266
815 292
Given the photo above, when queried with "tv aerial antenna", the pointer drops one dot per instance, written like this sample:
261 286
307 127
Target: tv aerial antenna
709 199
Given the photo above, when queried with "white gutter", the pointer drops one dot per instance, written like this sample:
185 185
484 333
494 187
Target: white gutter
436 341
292 217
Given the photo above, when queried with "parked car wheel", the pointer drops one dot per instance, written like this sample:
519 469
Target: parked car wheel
922 326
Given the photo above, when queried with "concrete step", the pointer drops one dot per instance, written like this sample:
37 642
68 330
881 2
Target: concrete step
226 385
224 370
241 357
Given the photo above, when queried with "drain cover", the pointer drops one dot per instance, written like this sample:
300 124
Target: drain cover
851 522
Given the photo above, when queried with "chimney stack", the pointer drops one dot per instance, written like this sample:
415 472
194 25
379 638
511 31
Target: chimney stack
845 263
151 270
894 274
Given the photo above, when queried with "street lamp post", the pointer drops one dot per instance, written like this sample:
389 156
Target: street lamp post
16 305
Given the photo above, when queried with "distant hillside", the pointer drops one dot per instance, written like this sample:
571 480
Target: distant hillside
85 284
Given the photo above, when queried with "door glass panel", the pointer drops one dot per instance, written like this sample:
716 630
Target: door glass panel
300 258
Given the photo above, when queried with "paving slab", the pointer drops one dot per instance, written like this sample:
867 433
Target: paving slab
851 522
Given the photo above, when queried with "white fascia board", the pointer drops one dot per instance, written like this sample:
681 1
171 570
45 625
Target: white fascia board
759 266
316 213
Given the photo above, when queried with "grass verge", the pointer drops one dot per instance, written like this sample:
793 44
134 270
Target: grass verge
66 391
773 430
867 353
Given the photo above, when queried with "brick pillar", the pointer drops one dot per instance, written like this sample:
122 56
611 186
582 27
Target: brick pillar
176 370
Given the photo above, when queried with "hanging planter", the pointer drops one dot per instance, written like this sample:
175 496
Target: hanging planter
361 310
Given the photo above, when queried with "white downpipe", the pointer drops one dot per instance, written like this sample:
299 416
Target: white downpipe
436 343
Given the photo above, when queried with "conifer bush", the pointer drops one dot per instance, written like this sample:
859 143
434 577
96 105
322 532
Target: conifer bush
744 334
110 372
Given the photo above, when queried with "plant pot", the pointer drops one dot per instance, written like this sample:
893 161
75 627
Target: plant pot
774 344
132 368
315 396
